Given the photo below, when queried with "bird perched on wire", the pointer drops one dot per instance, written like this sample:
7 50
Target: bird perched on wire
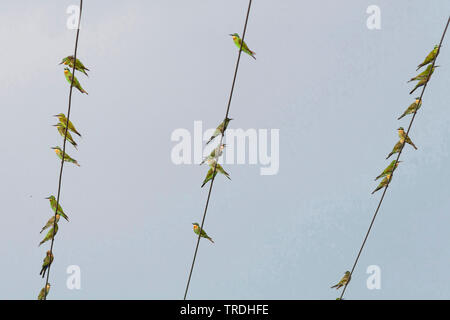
398 146
389 169
43 293
220 129
345 280
215 154
61 212
62 131
76 83
383 182
62 118
404 138
202 232
429 58
413 107
67 158
425 74
51 222
47 262
211 174
50 234
68 61
237 41
419 84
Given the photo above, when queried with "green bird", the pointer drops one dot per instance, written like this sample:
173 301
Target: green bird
62 118
68 61
47 262
202 232
49 235
62 131
390 168
424 74
76 84
383 182
215 154
413 107
44 292
404 138
51 222
211 174
220 129
345 279
52 200
398 146
419 84
237 41
67 158
430 57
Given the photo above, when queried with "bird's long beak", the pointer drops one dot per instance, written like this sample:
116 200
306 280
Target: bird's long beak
47 198
230 34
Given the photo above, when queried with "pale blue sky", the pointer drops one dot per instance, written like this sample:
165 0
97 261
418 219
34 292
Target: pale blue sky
332 87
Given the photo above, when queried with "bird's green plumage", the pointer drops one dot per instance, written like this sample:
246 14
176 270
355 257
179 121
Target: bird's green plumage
62 131
383 182
389 169
76 83
202 232
47 262
396 149
68 61
220 129
62 118
61 212
404 138
413 107
345 279
210 174
50 222
215 154
430 57
423 75
238 41
67 158
43 293
419 84
49 235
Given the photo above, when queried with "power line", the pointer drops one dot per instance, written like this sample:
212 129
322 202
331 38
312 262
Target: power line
396 161
64 147
221 139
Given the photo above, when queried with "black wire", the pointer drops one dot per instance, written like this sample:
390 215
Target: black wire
64 147
396 161
221 139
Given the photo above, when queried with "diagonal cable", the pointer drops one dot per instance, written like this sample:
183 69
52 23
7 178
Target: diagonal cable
398 157
64 147
221 140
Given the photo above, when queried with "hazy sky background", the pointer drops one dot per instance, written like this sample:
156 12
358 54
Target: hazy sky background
333 87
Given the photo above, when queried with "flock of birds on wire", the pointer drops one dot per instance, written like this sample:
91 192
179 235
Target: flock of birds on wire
387 173
212 159
64 128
